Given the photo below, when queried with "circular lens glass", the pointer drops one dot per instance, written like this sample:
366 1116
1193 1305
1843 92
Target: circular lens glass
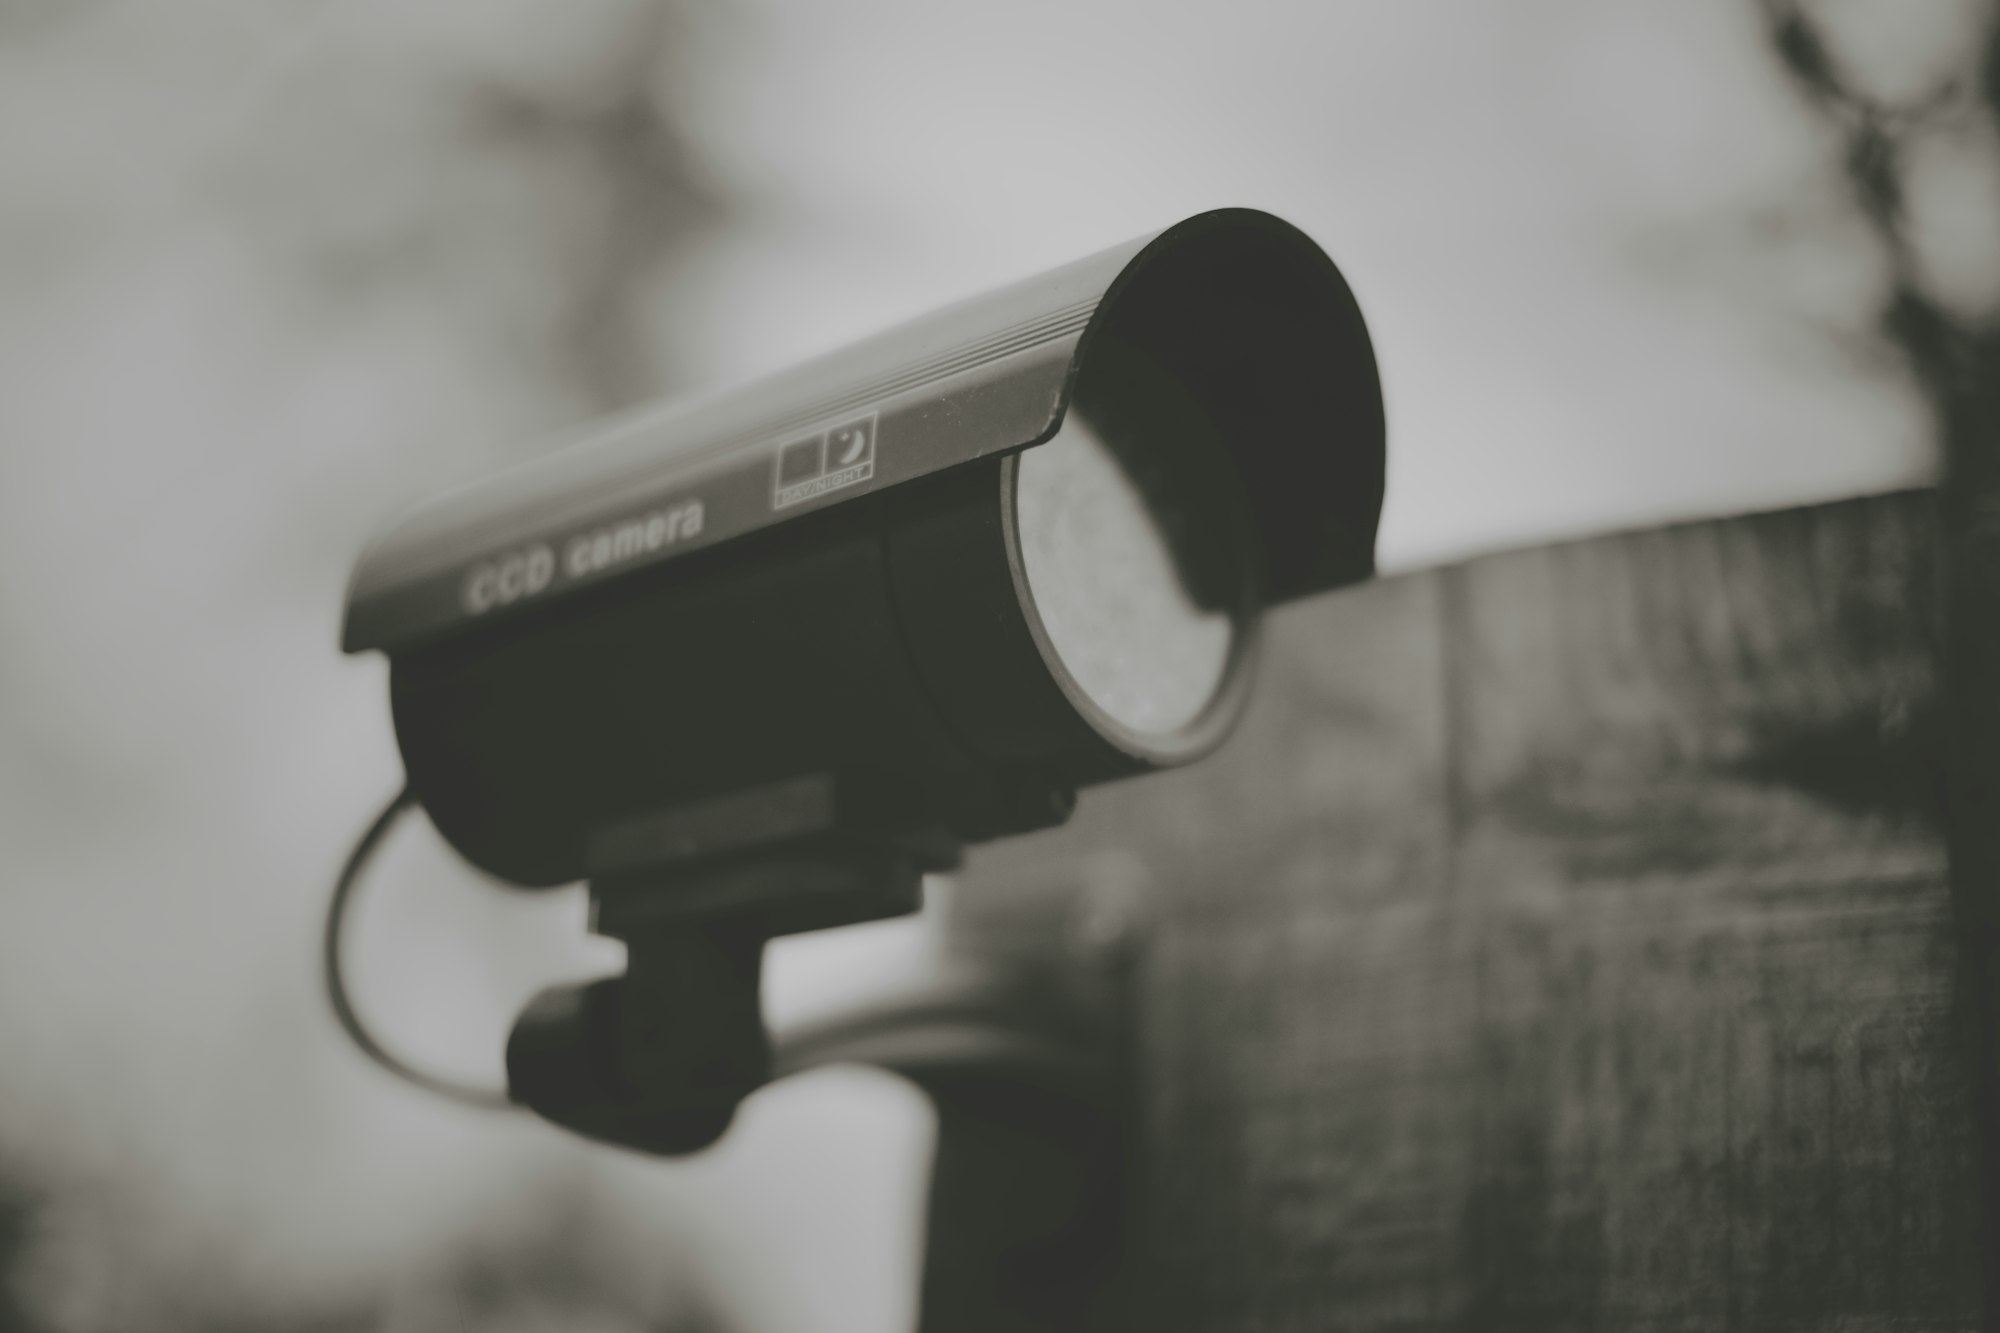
1132 555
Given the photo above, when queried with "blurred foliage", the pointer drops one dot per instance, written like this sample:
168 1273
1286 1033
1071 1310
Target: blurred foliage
267 272
1895 139
1911 134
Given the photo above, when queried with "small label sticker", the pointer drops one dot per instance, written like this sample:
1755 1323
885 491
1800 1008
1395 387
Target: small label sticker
841 457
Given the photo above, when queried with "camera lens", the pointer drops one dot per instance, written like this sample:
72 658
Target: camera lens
1131 546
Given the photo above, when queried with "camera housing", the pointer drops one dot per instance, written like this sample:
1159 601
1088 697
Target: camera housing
754 665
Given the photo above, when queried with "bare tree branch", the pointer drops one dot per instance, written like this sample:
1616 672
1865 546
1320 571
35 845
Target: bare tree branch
1955 360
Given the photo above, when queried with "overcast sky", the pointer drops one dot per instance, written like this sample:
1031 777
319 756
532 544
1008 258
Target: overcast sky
1604 255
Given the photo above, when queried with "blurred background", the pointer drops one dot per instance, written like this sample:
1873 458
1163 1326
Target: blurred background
272 270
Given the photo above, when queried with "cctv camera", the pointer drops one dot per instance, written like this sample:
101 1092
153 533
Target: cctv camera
754 665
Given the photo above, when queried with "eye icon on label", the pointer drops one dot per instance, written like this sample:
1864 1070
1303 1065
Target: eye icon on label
808 468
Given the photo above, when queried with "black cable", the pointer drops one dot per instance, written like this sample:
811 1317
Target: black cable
336 986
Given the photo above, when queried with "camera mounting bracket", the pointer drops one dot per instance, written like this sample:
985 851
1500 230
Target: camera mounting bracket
1027 1055
659 1057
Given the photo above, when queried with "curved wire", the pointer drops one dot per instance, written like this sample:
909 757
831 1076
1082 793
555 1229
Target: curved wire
336 985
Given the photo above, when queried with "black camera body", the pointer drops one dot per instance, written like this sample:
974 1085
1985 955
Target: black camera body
754 665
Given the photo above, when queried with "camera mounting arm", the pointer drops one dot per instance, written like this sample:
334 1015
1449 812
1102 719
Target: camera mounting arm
658 1058
1026 1057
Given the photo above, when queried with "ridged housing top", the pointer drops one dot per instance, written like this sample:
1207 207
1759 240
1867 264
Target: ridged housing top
1246 308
